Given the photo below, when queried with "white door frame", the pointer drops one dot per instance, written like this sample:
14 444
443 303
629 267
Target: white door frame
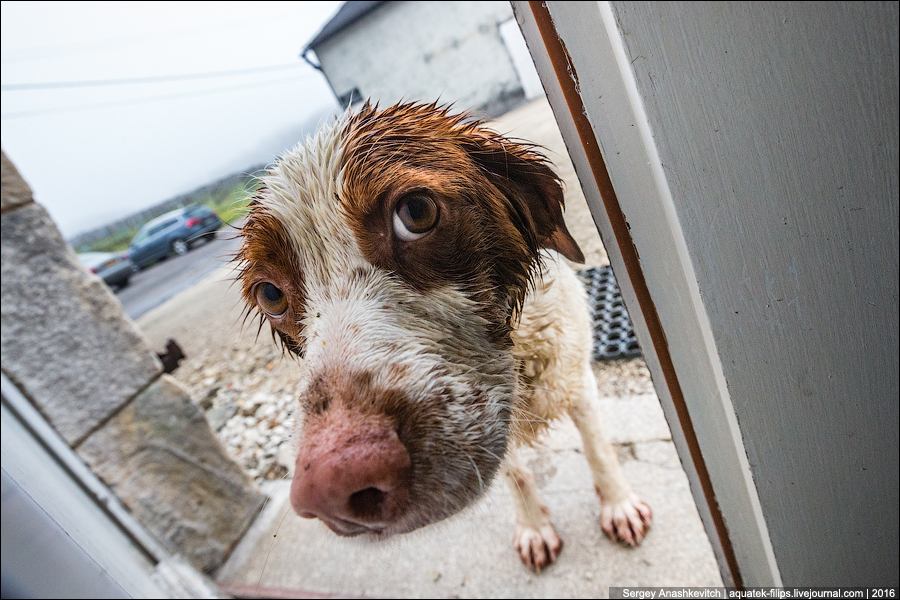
580 56
65 534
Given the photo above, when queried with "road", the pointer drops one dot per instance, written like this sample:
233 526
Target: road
156 284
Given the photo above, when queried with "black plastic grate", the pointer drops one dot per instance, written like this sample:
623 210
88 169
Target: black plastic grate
613 334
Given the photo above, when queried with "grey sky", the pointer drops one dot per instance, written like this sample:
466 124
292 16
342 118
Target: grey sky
94 154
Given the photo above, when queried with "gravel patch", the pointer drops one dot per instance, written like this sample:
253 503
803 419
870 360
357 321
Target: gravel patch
248 395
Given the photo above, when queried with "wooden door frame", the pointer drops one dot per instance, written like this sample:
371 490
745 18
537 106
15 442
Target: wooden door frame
581 58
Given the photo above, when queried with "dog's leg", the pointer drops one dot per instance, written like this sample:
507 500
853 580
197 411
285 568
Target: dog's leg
536 540
623 515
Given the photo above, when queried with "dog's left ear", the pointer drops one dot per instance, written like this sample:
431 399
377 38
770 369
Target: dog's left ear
533 190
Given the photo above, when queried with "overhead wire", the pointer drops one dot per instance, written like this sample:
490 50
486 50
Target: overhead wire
146 99
12 87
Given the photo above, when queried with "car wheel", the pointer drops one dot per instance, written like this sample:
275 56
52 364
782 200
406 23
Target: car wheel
180 247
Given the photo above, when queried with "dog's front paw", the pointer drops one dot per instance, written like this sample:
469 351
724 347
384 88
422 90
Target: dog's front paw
627 520
537 547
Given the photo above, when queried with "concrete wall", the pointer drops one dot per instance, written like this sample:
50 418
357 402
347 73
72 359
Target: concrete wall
427 51
68 346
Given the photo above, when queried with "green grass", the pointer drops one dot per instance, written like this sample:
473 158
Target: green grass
117 242
229 203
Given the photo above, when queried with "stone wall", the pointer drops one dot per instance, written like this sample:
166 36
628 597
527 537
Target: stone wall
69 347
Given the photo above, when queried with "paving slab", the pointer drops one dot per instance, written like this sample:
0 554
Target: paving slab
471 555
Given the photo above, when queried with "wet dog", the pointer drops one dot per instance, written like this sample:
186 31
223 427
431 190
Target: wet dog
410 256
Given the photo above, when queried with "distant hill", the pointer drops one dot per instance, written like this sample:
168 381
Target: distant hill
123 229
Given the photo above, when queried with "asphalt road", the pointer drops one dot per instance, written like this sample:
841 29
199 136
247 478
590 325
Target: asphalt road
156 284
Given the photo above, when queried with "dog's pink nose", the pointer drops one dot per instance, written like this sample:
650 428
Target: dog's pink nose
352 472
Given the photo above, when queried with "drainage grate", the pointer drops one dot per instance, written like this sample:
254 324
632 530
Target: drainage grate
613 334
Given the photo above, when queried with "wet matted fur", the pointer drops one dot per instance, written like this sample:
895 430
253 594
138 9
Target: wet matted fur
410 256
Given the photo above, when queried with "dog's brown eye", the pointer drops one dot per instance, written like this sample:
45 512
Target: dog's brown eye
415 215
271 299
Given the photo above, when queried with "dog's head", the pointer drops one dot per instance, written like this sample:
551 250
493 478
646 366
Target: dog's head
393 252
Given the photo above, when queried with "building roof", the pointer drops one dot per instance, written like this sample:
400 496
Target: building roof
348 14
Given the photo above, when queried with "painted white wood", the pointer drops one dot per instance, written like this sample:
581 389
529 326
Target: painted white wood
65 534
638 186
670 274
777 125
754 150
69 530
61 452
39 560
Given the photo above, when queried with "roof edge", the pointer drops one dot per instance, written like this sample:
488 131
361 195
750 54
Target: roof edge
347 15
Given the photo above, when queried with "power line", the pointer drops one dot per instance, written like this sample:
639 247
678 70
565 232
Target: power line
143 100
46 85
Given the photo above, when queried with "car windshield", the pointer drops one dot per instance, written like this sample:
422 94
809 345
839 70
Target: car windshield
195 211
150 229
141 236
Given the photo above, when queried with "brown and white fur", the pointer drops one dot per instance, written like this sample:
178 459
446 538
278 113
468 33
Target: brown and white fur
410 257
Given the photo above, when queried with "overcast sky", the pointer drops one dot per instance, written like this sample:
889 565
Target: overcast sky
97 153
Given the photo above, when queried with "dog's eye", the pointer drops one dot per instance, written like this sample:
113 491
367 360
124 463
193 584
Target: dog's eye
271 299
415 216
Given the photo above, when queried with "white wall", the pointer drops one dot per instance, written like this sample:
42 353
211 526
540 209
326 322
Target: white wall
427 51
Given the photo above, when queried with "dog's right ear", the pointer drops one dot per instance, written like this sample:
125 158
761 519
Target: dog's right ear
533 190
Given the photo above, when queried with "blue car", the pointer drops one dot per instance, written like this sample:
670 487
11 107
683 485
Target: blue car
173 232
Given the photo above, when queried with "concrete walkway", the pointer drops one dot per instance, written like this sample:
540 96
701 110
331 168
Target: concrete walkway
471 555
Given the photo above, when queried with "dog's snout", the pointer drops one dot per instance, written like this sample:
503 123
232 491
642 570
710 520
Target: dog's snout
352 472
